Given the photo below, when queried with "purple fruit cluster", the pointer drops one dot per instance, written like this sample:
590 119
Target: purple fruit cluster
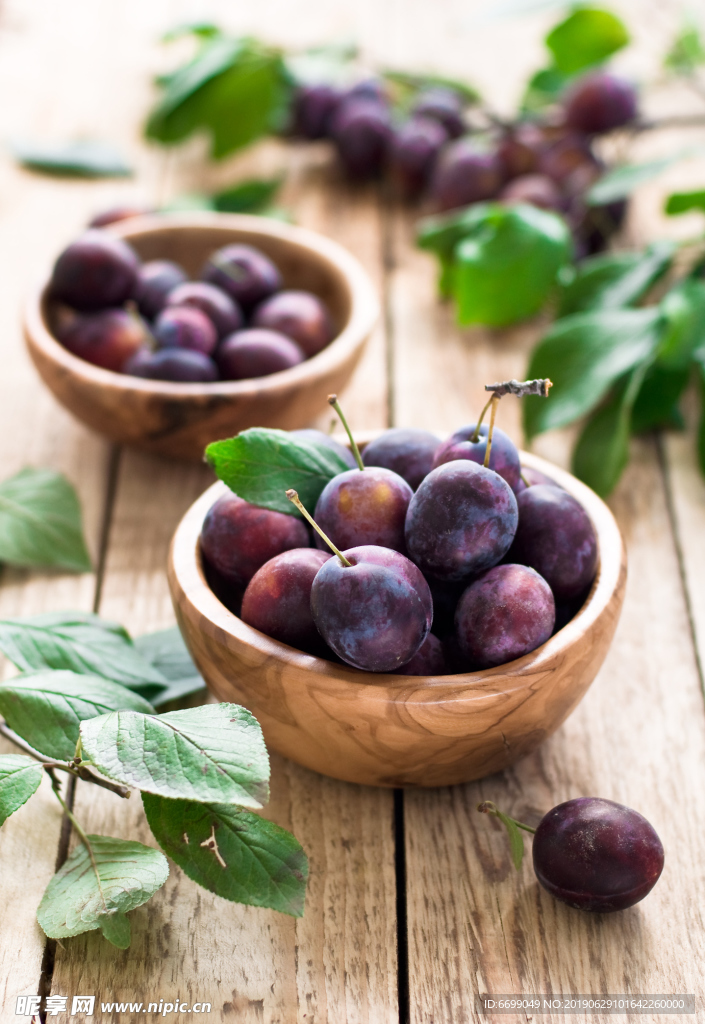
445 566
148 320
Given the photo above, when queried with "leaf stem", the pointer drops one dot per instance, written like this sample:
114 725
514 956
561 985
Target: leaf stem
333 400
488 807
295 500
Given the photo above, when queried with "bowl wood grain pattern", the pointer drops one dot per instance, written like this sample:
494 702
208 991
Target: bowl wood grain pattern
392 730
178 420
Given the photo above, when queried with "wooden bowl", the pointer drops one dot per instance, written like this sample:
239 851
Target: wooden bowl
179 420
392 730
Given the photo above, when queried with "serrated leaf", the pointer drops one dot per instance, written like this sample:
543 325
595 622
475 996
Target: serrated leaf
19 780
83 643
46 708
211 754
259 465
657 402
169 655
40 522
80 158
584 355
614 280
86 893
587 37
683 202
250 196
231 852
620 182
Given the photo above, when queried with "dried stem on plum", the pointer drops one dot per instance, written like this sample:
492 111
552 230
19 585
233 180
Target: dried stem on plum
333 400
295 500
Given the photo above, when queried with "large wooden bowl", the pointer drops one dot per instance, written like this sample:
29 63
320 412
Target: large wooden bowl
391 730
179 420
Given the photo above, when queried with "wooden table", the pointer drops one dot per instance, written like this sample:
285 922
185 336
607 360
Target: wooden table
413 906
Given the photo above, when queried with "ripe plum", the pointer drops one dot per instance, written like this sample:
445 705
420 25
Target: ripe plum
245 273
365 507
95 271
256 352
299 315
465 174
184 327
277 600
413 151
504 456
406 451
222 310
155 280
599 102
176 364
108 339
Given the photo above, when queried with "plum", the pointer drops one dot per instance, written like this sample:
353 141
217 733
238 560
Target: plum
108 339
406 451
556 538
460 521
245 273
314 105
465 174
361 130
374 612
443 106
504 456
155 280
222 310
429 660
118 213
299 315
238 538
277 600
537 189
309 434
599 102
364 507
413 150
506 613
519 150
256 352
176 364
184 327
597 855
94 272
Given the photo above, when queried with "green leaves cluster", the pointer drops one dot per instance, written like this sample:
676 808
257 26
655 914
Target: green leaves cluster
78 705
500 263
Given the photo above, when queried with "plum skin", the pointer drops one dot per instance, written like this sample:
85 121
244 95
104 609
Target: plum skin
95 271
504 455
506 613
277 600
597 855
237 538
363 507
374 614
406 451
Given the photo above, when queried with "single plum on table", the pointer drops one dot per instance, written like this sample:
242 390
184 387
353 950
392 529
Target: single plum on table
300 316
108 339
220 308
245 273
238 538
363 507
429 660
155 280
413 151
506 613
361 130
599 102
460 521
597 855
504 455
374 612
465 174
311 434
556 538
256 352
277 600
405 450
94 272
175 364
443 106
183 327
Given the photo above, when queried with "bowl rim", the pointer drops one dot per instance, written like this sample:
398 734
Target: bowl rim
186 572
364 312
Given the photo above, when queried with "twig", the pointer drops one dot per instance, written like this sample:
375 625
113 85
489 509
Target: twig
521 388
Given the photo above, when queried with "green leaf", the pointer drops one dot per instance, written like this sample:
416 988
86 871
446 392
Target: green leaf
40 522
214 753
83 643
88 894
602 450
682 202
506 268
657 402
588 36
250 196
169 655
687 52
19 780
620 182
81 158
231 852
683 311
46 708
260 465
584 355
614 280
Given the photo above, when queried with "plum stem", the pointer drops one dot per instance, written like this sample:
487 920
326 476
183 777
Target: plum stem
333 400
295 500
494 402
476 435
489 807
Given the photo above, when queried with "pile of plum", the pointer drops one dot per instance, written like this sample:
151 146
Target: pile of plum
441 564
149 320
431 149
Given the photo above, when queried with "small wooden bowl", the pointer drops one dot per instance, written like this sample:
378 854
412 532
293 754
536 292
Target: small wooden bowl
392 730
179 420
